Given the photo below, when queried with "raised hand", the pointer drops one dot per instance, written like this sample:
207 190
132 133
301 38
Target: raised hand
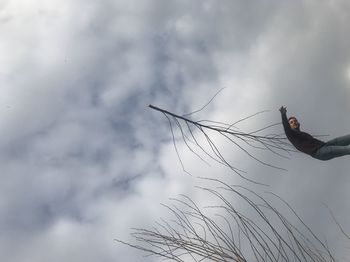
283 110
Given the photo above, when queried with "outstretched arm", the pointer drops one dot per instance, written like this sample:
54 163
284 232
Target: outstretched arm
285 123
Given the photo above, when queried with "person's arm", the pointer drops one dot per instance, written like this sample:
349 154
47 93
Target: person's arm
285 123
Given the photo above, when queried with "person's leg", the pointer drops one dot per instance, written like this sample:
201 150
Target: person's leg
339 141
328 152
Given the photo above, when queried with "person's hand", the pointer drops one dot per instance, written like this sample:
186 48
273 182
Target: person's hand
283 110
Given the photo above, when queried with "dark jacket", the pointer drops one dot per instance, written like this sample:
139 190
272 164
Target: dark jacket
302 141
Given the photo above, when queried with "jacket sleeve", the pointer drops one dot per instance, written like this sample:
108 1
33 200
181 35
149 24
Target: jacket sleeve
287 128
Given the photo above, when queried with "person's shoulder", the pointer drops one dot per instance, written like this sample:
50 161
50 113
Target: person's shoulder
304 134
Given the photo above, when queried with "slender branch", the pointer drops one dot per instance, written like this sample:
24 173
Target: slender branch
243 141
231 234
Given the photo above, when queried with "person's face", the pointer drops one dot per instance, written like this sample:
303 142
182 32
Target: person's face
293 123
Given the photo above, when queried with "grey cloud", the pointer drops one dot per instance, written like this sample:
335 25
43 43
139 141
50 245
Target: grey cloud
81 141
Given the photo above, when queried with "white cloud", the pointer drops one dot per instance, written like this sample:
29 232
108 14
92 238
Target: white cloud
82 156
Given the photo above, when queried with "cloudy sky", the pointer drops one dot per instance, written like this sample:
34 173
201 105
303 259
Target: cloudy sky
82 157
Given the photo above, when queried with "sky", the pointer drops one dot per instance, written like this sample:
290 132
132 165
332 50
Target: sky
83 158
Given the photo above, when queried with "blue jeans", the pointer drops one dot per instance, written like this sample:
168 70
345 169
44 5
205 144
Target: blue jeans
336 147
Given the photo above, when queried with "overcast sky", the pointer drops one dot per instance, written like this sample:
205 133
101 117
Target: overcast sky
82 157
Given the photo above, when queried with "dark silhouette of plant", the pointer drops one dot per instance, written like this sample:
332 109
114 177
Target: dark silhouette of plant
256 232
246 142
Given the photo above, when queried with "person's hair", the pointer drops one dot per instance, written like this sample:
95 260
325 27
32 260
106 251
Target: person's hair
292 117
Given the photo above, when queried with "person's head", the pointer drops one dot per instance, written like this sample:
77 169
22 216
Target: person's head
293 123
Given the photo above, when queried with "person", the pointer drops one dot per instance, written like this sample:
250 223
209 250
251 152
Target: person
307 144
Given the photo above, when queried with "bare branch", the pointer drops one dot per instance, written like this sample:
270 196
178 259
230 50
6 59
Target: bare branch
232 234
243 141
